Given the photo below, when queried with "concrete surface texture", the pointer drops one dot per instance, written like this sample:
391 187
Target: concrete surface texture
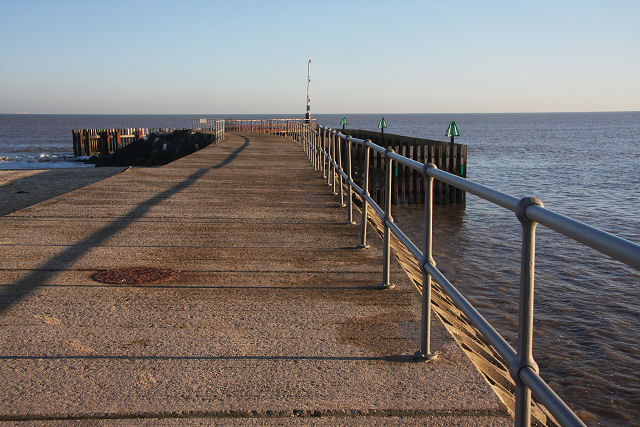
273 316
26 187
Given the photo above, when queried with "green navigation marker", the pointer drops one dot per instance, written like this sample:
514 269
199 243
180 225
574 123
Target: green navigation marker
452 130
382 124
343 121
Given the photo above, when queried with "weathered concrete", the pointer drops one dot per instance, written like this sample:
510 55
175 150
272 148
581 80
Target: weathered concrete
274 316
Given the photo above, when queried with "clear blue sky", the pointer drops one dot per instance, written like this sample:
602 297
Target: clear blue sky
367 56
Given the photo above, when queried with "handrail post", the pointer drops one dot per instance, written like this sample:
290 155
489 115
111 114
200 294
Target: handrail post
349 189
307 132
525 313
320 154
425 326
309 143
324 152
316 159
386 256
329 156
316 156
341 169
312 139
365 192
333 162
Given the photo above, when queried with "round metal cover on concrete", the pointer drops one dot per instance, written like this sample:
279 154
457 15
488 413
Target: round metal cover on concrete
134 275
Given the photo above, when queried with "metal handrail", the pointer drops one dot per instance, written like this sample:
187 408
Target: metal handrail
266 125
323 147
210 125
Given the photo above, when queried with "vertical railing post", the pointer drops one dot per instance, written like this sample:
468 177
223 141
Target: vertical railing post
319 145
316 152
310 148
365 192
312 153
307 132
329 155
525 313
309 142
324 151
333 162
425 326
304 140
386 255
349 188
340 169
307 138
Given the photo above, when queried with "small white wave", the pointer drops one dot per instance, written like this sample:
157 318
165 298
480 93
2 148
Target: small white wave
41 161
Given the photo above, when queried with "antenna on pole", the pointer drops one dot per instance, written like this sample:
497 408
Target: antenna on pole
307 117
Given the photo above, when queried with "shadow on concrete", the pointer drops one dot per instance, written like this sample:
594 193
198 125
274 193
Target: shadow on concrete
23 287
35 187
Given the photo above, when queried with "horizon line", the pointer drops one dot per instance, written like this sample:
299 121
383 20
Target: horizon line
302 114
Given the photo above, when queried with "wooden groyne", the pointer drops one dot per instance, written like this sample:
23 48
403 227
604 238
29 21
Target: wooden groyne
408 186
87 142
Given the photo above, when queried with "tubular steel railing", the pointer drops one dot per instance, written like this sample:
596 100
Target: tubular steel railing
215 127
323 147
273 126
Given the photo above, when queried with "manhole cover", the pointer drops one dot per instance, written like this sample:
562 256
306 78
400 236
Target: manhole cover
133 275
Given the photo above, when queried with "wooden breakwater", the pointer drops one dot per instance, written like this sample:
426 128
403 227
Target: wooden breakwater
408 186
87 142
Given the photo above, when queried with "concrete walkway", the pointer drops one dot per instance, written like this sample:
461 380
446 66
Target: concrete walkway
273 316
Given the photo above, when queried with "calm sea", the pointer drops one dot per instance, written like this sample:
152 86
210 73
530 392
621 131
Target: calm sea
585 165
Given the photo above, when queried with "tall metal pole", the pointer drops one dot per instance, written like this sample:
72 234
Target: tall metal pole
307 117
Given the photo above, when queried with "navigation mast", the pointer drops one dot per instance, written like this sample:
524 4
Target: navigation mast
307 117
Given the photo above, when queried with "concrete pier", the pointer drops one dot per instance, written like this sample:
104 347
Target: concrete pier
273 315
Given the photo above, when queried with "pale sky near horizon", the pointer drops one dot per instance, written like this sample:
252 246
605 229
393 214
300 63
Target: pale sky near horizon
367 56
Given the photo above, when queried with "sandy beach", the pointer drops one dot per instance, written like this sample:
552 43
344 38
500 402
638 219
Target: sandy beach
22 188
